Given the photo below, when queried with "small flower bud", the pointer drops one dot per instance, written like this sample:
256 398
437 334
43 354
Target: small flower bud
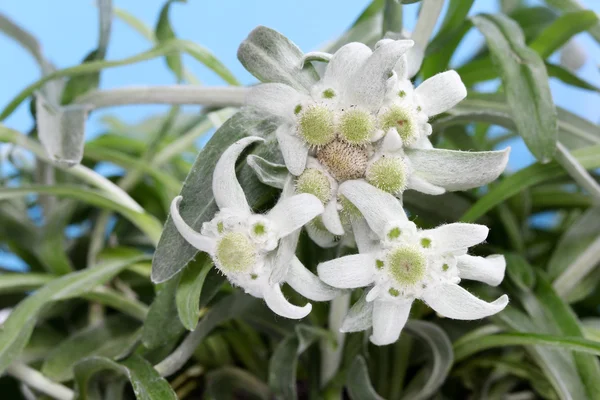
388 174
313 181
406 265
404 121
235 253
316 125
356 126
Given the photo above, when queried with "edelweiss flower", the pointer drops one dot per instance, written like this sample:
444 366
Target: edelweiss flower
335 133
255 251
403 263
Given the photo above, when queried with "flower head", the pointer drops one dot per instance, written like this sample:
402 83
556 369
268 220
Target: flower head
399 263
255 251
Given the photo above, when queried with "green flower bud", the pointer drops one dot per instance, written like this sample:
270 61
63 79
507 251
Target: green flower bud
316 125
356 126
235 253
406 265
314 182
388 174
404 121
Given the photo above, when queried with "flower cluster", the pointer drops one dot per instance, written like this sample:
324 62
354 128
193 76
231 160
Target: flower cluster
353 144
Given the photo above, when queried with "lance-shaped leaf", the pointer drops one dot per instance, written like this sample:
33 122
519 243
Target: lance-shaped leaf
145 381
164 32
525 81
271 57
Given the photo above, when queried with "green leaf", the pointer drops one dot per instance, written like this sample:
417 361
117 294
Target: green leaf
198 206
271 57
560 31
111 298
567 322
284 361
526 84
22 282
556 71
110 338
430 379
164 32
269 173
190 289
19 325
578 237
526 339
146 383
358 383
229 383
519 271
145 222
134 22
162 324
573 6
535 174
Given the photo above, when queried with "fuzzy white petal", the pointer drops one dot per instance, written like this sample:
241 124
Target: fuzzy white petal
331 218
279 304
391 142
343 65
292 213
369 84
488 270
389 317
378 207
359 317
293 149
201 242
452 301
457 236
308 284
401 67
421 185
414 59
321 237
457 170
277 99
363 235
352 271
440 93
226 189
286 251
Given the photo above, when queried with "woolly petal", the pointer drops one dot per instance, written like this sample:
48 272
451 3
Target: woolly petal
378 207
440 93
389 317
369 84
279 304
421 185
226 189
457 236
401 67
452 301
414 58
321 237
488 270
292 213
277 99
347 272
363 236
331 218
457 170
308 284
359 317
286 251
201 242
294 152
391 142
343 65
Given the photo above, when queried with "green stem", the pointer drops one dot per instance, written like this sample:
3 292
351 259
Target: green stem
39 382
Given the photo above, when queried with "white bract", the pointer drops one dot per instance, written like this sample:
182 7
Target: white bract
256 251
365 120
399 263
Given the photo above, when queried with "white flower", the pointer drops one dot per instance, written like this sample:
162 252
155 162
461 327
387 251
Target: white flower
254 251
400 263
364 120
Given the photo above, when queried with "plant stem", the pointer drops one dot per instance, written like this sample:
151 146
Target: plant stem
332 356
39 382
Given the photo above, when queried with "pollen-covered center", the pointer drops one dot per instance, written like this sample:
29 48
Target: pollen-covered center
356 126
343 160
403 120
388 174
235 253
316 125
406 265
314 182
